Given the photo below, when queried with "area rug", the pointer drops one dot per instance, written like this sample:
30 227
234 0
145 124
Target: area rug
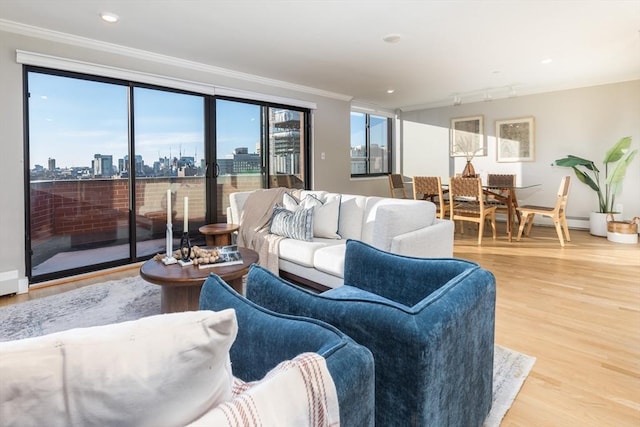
133 298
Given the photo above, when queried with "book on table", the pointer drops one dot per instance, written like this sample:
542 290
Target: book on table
227 255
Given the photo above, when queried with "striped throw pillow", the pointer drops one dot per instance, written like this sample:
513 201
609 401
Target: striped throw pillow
295 225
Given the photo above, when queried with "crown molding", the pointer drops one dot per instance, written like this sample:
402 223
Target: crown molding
476 97
60 37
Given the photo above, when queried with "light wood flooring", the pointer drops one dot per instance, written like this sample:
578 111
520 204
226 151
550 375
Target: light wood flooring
576 309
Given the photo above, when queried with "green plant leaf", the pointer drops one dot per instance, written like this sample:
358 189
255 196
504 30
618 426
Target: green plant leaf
615 178
583 177
573 161
616 152
619 159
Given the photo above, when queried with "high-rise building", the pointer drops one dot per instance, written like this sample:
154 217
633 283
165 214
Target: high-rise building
102 165
284 139
52 164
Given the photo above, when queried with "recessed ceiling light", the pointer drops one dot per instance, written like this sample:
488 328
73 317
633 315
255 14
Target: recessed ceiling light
546 61
392 38
109 17
390 90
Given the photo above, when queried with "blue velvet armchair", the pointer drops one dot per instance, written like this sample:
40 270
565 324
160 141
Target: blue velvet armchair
266 338
428 322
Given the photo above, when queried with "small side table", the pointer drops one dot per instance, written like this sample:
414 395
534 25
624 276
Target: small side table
218 234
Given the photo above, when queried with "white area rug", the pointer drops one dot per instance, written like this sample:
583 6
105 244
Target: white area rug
133 298
93 305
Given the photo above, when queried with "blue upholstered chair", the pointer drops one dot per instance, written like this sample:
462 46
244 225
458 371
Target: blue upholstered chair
428 322
266 338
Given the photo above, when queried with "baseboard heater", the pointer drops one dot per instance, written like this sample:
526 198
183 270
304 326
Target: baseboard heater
9 282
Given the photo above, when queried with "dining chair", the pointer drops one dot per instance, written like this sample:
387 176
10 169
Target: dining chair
497 196
396 184
467 204
557 213
430 188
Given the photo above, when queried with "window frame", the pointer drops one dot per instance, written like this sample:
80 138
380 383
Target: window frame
210 141
367 130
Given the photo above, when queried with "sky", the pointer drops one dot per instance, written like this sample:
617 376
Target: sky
71 120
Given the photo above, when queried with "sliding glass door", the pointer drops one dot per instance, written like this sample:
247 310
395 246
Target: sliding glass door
169 166
286 148
237 151
110 162
79 201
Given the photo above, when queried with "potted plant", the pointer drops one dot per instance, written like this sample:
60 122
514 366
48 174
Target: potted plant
615 166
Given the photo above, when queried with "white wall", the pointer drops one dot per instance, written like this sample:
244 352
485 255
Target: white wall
585 122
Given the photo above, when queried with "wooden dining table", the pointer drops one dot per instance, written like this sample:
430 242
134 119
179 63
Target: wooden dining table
506 196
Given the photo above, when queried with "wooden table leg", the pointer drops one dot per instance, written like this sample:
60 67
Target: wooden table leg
236 284
218 239
509 214
180 298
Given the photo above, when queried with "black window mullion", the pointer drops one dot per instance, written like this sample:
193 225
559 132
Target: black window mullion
133 235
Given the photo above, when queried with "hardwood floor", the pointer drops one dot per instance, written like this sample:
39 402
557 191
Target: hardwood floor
576 309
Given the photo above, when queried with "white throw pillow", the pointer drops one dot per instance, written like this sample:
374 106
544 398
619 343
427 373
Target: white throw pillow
164 370
326 212
296 393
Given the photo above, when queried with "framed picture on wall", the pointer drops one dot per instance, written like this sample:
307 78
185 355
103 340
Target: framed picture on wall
515 139
466 136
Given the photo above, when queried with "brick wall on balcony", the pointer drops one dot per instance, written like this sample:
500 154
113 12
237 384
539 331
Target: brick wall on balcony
99 205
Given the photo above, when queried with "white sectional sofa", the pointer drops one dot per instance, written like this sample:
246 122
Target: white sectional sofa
407 227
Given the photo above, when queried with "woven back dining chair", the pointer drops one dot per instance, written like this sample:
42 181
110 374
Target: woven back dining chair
430 188
497 195
396 185
556 213
468 204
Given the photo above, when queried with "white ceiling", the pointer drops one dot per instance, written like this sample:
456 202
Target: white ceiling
446 47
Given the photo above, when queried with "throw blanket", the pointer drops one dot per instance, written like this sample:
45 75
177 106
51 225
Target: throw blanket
298 392
254 226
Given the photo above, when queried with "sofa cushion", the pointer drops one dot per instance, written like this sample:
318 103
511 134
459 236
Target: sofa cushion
351 216
395 220
298 392
298 251
293 224
330 260
326 211
161 370
398 217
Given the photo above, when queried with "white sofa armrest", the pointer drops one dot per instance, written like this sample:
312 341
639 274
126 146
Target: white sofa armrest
435 241
229 215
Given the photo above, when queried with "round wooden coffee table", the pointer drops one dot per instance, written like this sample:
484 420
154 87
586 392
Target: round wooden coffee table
181 285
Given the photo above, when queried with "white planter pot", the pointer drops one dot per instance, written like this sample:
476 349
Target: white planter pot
598 223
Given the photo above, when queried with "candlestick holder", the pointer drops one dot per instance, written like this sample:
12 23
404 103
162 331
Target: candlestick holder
168 258
185 250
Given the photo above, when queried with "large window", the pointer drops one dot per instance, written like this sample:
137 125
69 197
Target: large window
78 129
286 148
111 162
370 144
169 159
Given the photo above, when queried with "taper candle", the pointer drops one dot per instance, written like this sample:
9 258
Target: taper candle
186 214
169 207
